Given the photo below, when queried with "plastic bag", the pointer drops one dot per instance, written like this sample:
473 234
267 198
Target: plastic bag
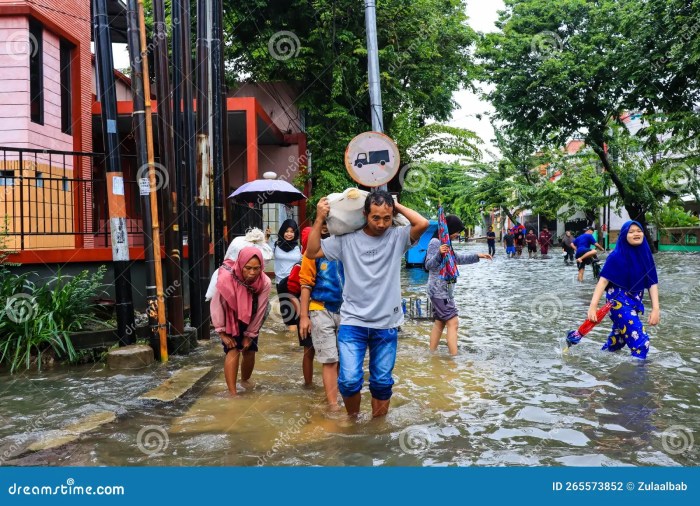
254 237
347 212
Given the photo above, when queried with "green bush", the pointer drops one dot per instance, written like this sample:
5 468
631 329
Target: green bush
36 319
672 216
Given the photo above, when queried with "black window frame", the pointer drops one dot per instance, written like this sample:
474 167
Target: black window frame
66 68
7 176
36 72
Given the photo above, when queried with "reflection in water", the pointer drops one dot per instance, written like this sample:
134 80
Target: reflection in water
510 397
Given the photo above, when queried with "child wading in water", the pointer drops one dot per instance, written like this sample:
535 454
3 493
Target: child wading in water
444 310
628 271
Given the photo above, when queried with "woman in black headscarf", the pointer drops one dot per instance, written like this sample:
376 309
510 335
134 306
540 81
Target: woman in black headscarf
287 253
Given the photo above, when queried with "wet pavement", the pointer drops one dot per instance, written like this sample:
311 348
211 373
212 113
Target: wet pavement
510 397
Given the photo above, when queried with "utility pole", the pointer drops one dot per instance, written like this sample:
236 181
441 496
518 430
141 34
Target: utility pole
200 192
115 179
139 122
159 310
173 239
375 92
190 163
219 142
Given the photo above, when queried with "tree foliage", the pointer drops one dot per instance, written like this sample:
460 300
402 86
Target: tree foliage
574 67
320 47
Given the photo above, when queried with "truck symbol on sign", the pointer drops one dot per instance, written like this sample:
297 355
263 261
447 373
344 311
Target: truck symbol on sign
379 157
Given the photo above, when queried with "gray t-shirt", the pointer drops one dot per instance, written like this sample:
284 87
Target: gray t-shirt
372 291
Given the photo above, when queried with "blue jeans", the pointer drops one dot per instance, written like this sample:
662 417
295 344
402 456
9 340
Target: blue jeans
352 346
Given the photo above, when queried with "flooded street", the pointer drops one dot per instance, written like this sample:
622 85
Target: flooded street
511 396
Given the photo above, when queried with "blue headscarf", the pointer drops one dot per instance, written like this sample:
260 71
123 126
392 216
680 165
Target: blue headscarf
632 268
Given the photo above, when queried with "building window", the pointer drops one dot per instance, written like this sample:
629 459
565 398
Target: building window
7 177
66 92
39 179
36 71
66 185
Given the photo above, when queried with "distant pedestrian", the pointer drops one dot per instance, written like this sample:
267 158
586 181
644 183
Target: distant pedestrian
567 246
509 244
584 253
491 241
545 239
519 241
531 240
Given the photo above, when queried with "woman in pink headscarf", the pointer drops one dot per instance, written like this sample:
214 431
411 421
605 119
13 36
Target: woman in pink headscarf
238 309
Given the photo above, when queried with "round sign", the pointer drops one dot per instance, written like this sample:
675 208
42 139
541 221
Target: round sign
372 159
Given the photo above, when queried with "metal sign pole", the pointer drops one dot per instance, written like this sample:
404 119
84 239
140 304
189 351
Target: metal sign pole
375 92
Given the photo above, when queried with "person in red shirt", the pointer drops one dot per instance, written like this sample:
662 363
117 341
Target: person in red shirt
545 240
531 240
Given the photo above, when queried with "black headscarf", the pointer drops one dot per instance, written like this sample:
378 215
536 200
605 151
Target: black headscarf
454 226
287 245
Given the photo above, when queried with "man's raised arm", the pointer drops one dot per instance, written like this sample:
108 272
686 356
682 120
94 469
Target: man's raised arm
418 223
313 247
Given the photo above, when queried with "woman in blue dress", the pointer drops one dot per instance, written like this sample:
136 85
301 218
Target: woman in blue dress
628 271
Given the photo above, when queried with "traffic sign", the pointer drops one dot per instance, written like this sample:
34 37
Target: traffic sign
372 159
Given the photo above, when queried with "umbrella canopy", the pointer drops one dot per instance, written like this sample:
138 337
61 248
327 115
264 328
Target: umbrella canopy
448 268
267 191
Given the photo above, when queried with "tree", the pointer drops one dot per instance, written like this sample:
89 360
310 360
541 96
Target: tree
320 48
573 68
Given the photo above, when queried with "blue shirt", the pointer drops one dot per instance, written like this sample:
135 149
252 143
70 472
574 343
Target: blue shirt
583 243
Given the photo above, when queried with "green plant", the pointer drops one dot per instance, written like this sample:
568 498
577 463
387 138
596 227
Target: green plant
671 216
69 298
38 319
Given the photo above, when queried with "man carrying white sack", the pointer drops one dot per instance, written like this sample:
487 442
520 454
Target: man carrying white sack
371 311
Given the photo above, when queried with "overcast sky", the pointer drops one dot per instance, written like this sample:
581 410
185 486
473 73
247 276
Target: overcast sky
482 17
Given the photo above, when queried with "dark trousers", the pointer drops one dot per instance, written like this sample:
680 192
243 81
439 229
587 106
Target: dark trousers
569 254
492 248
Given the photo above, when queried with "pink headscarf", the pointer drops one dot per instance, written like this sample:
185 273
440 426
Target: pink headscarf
238 294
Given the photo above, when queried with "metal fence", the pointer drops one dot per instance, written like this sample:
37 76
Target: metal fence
57 199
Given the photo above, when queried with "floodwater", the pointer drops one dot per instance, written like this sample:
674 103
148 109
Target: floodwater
511 396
